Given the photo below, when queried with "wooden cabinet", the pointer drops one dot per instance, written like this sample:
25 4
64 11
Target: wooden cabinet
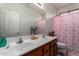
36 52
49 49
53 48
46 50
52 51
46 54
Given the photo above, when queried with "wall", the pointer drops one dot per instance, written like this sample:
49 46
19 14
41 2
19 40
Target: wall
27 16
50 10
69 7
46 25
49 25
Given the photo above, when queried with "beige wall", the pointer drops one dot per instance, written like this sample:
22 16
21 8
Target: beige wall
67 8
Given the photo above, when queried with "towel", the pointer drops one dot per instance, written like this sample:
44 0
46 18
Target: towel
3 42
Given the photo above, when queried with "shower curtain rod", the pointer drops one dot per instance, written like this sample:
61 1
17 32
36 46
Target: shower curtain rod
67 11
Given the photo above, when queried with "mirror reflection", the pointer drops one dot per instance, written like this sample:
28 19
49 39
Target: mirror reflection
18 19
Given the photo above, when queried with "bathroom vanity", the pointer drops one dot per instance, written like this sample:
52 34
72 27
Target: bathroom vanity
40 47
48 49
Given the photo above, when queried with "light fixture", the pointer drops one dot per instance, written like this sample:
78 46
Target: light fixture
40 5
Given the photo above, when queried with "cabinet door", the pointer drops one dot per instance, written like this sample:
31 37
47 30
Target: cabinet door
53 48
52 51
52 43
46 54
46 48
36 52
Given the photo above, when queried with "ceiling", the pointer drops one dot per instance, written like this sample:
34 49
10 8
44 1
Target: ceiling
57 5
54 7
60 5
50 8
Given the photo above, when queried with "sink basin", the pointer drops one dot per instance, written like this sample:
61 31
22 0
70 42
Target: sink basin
22 46
28 40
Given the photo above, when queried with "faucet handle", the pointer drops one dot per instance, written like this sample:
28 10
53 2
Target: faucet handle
20 40
17 34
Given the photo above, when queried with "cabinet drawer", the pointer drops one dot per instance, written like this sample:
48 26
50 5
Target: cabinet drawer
37 52
53 43
46 48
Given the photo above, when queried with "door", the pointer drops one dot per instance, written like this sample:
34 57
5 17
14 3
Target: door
10 22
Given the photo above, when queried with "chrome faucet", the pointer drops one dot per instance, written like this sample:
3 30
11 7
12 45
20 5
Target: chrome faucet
20 39
17 34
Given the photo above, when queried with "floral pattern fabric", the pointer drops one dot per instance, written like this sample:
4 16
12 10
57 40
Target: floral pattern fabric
66 28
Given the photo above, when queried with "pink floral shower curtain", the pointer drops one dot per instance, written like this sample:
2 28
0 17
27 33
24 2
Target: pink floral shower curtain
75 17
66 28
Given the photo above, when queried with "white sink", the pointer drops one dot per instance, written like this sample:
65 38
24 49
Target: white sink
27 41
22 46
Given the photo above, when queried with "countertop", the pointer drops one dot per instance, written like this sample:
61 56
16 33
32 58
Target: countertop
25 47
